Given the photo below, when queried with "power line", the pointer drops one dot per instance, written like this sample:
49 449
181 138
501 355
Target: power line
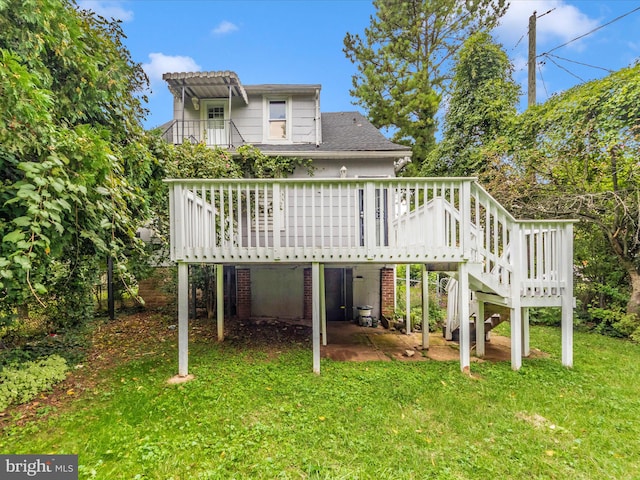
578 63
591 31
544 85
565 69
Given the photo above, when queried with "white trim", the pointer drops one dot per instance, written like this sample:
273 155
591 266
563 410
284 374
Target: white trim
267 99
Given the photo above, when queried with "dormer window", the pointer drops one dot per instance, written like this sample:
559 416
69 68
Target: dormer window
277 128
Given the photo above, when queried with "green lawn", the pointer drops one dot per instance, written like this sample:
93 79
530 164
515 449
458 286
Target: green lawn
252 415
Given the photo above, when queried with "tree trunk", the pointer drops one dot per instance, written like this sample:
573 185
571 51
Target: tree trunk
633 305
210 291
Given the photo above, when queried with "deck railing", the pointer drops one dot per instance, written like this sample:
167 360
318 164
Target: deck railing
416 220
213 133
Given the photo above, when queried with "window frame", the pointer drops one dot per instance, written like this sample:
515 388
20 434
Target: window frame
267 119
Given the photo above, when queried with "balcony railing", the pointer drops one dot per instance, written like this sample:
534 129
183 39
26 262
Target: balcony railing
434 220
213 133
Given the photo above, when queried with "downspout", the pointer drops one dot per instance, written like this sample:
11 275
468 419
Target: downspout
318 139
182 110
229 123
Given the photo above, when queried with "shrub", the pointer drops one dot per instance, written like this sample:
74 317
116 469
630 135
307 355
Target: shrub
614 322
21 384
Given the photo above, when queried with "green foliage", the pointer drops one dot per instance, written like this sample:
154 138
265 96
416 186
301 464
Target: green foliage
24 383
403 58
549 316
74 170
256 164
482 108
199 161
576 156
615 322
436 312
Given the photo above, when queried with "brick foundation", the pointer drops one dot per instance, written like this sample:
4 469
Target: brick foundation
157 291
387 292
243 282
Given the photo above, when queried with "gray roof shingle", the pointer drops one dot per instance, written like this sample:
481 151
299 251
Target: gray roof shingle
343 132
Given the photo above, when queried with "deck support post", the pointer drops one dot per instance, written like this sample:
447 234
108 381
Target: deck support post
480 347
323 307
315 315
519 270
425 307
220 301
567 300
567 330
516 337
183 319
407 296
526 348
463 315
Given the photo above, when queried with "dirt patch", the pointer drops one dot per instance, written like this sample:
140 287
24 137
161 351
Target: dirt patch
128 337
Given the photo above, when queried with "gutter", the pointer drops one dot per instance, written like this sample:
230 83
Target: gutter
318 139
341 154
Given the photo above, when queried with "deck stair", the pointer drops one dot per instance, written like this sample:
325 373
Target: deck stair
494 314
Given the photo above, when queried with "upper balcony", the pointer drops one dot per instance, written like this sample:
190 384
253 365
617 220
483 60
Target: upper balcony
213 133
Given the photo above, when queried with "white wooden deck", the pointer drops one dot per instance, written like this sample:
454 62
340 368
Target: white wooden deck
449 224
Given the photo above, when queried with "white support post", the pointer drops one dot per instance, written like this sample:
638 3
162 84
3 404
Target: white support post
220 301
425 307
567 299
516 287
480 350
323 307
183 319
407 296
526 348
463 312
516 337
315 315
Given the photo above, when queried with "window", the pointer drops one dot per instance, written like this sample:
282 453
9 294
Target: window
277 120
216 113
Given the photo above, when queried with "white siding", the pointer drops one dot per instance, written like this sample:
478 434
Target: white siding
330 168
248 119
304 126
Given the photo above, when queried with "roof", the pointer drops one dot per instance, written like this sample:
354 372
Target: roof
348 132
206 84
283 88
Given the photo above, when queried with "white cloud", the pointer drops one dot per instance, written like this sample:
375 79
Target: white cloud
562 24
107 9
224 28
160 63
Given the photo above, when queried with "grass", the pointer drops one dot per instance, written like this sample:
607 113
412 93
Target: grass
252 414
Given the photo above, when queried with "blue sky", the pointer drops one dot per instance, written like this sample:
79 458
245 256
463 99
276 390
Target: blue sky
300 41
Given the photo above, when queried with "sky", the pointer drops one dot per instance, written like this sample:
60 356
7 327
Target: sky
301 42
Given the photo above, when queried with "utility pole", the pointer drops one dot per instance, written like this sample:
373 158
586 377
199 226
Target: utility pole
532 61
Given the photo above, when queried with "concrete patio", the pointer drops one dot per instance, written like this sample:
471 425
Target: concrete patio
348 341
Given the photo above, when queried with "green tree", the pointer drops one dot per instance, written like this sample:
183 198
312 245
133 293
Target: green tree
576 156
403 60
199 161
74 172
481 108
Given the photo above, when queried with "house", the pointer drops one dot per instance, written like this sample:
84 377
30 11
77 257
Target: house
286 120
318 246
